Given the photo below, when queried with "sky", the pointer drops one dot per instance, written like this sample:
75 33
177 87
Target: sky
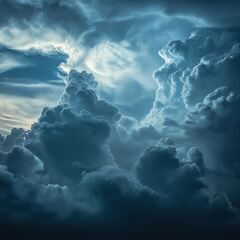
120 119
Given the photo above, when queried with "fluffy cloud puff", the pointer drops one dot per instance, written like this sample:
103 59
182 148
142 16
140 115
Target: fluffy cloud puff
198 65
70 144
16 137
80 94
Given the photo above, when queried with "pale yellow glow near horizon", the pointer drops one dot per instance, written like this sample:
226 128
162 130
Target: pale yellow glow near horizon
21 112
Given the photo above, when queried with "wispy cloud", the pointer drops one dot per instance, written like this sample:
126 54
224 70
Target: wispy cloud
8 62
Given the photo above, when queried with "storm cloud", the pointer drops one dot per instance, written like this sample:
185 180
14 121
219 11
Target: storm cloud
66 169
92 146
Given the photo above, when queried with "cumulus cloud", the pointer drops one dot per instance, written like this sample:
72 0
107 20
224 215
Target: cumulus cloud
160 169
16 137
193 68
196 103
80 94
80 167
205 59
70 144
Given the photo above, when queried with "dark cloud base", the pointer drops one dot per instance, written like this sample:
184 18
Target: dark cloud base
61 231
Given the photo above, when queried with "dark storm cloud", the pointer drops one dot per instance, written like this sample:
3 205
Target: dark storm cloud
160 169
194 155
69 144
67 172
80 94
83 168
16 137
22 162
